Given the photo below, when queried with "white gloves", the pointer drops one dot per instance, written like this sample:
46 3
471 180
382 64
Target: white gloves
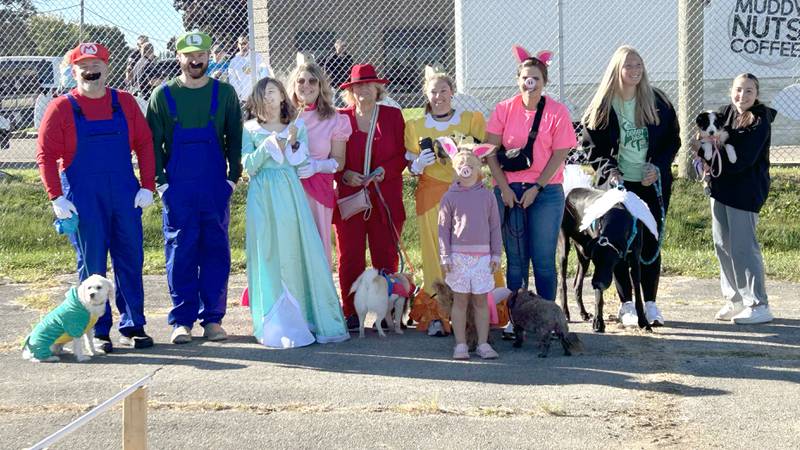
161 188
425 159
317 166
63 208
231 184
144 198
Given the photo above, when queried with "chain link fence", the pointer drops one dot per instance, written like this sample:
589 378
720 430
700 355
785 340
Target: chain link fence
692 48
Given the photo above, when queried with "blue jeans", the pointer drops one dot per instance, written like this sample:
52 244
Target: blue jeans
530 236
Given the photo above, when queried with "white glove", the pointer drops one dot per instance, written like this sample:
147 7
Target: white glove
231 184
63 208
425 159
161 188
143 199
315 166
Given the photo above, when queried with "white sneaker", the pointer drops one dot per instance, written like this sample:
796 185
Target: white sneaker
730 309
753 315
181 335
627 315
653 314
435 329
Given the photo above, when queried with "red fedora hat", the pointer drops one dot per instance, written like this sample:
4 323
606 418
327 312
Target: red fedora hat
363 73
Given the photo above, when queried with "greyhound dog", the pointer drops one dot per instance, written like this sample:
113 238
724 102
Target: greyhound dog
606 228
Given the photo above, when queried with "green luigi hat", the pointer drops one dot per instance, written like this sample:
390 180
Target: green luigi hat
194 41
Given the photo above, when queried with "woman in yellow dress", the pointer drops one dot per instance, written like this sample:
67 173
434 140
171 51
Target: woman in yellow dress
436 172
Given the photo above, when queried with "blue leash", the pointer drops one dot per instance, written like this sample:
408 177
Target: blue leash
660 197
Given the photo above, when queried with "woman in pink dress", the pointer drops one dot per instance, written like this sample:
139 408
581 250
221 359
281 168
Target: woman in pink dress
328 131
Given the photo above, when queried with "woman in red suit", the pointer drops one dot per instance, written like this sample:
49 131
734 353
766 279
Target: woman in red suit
362 92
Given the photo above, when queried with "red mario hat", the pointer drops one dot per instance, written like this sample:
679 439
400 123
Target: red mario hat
363 73
88 50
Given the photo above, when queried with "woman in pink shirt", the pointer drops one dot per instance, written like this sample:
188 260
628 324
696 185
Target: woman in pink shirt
328 132
531 200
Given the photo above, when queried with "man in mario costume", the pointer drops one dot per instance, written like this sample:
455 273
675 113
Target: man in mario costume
92 130
197 135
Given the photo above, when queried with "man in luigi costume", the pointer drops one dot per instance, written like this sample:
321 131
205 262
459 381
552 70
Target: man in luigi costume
197 137
84 156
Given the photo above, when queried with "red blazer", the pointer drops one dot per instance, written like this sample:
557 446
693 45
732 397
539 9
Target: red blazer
388 151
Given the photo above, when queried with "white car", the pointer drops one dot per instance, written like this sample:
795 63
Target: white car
22 80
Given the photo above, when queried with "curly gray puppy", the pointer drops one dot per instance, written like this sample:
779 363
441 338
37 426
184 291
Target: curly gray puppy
540 318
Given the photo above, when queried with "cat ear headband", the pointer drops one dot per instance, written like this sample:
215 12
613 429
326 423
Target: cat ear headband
545 56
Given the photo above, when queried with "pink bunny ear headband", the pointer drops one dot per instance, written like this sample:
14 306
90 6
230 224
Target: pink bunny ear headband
545 56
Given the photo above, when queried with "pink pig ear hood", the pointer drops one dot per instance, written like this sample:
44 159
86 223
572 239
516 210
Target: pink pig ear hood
521 54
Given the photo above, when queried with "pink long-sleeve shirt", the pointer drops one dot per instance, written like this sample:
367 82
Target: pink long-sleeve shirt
469 222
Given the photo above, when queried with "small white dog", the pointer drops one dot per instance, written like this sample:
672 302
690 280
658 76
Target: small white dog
73 318
380 293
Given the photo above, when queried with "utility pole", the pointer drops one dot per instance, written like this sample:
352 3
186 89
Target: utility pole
690 76
80 28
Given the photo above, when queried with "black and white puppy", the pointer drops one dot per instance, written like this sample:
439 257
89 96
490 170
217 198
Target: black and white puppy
713 136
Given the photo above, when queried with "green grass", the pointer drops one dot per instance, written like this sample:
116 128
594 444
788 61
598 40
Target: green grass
31 251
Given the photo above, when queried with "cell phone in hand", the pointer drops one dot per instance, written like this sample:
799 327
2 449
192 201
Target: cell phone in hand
371 177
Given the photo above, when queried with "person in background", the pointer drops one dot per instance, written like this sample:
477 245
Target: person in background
65 82
241 71
337 65
218 66
133 58
145 72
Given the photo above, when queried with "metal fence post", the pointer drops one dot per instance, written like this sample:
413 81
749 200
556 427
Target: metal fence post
560 9
690 76
251 38
134 420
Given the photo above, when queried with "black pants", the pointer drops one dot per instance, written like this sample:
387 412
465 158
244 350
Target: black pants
650 272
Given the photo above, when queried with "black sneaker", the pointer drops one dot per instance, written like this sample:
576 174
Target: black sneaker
352 323
137 339
103 343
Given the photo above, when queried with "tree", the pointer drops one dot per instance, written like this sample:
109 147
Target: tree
14 15
223 20
52 36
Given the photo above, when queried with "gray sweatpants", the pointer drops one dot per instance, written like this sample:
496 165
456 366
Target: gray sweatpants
741 265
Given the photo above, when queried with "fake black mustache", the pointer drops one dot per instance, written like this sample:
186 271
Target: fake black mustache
90 76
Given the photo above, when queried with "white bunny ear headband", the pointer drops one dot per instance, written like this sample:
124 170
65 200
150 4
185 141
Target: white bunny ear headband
545 56
635 205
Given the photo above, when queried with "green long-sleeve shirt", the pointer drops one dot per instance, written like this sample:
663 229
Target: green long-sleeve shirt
193 107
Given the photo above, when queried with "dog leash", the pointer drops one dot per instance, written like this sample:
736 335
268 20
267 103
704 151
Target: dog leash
662 225
401 251
716 156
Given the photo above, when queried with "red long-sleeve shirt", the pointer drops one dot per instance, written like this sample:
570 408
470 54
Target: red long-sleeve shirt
58 137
